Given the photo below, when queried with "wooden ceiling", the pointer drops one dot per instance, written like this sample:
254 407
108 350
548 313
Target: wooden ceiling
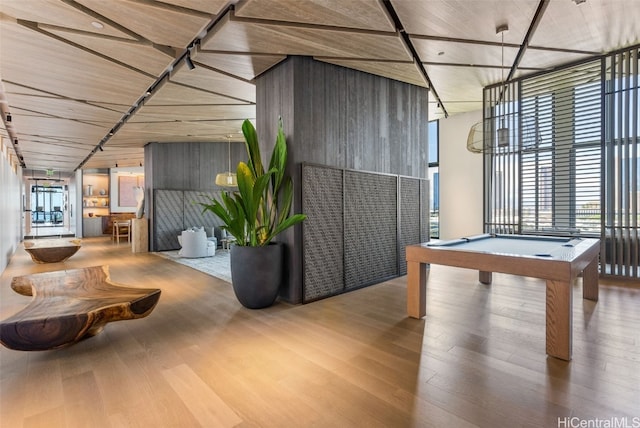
89 82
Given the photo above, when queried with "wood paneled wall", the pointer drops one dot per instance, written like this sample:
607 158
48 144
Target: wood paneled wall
342 118
193 166
185 166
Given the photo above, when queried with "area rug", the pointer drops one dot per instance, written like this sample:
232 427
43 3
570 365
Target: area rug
218 265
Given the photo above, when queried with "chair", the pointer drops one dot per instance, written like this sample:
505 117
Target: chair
194 243
121 229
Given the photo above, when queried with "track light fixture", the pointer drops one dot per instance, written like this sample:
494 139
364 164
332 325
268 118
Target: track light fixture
101 149
15 141
9 118
187 60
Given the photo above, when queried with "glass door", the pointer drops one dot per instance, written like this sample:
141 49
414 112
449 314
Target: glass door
48 209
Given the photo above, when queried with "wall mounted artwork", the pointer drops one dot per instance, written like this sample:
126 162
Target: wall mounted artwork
126 193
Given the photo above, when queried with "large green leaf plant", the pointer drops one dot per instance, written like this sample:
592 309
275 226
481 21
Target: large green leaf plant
261 207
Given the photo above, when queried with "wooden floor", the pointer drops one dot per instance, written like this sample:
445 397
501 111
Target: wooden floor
356 360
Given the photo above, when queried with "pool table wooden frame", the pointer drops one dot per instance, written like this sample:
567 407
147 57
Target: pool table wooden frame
559 274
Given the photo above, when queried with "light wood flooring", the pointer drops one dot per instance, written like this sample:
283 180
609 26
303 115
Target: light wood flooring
355 360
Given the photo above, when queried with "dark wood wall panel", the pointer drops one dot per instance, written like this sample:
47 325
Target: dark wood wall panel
274 99
341 118
346 118
192 165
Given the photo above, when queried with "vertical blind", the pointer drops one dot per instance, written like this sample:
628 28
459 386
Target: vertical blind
621 165
563 157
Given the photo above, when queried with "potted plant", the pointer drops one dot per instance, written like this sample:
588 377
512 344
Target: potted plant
255 214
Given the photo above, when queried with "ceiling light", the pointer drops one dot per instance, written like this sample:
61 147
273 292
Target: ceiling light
228 178
187 60
503 135
97 25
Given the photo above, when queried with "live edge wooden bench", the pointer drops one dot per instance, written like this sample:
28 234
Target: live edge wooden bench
71 305
51 250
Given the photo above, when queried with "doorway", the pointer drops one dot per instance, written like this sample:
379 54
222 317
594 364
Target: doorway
48 214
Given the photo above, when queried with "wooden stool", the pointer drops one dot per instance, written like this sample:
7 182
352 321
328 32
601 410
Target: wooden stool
122 229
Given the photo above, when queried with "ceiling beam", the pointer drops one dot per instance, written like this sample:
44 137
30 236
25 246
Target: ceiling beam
537 17
414 53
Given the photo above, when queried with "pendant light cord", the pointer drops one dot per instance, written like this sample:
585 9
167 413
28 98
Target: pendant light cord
502 61
229 152
504 86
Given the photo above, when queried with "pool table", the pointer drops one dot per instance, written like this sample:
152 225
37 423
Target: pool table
555 259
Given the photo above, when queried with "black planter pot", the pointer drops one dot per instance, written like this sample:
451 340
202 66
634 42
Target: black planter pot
256 274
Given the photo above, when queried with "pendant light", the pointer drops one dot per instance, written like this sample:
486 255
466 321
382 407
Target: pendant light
503 130
227 179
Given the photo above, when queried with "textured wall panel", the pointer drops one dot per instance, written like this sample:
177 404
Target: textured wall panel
168 219
409 217
322 232
425 215
370 228
193 215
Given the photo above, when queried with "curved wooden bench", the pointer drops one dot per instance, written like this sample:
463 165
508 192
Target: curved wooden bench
51 250
71 305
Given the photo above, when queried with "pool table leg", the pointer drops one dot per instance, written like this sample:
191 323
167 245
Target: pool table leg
485 277
590 281
559 319
416 289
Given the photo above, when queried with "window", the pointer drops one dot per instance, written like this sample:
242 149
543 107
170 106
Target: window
572 163
561 163
621 233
